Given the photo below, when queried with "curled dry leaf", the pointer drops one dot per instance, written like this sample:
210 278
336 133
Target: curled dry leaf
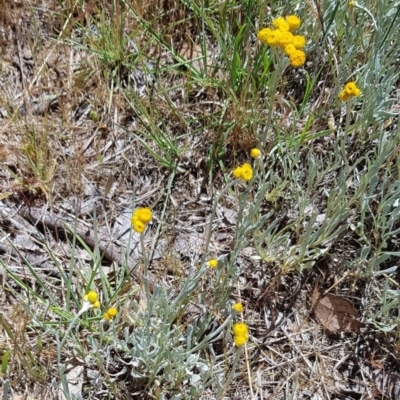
335 313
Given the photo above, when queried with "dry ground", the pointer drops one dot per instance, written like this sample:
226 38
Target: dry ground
70 143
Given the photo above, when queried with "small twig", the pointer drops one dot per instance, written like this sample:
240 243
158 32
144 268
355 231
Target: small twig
108 250
336 283
246 354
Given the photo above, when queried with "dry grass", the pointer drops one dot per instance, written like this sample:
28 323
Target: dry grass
106 106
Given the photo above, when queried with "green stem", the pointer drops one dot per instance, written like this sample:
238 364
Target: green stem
72 323
346 133
145 268
228 381
275 78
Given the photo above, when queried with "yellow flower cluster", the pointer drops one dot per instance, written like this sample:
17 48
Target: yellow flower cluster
110 314
92 297
240 333
213 263
283 37
141 217
350 90
244 172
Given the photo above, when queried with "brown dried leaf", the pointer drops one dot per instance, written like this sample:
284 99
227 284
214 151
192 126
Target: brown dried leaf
335 313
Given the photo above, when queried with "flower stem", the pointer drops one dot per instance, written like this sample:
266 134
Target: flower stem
346 133
84 308
145 268
220 394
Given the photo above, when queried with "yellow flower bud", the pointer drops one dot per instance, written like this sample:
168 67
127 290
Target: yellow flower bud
297 58
96 304
240 340
281 24
238 307
112 312
350 90
143 214
285 39
299 41
255 153
240 329
294 22
270 36
91 296
137 225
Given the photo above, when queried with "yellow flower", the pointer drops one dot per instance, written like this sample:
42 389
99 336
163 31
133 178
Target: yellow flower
91 296
143 214
213 263
269 36
237 172
263 35
289 49
352 3
255 153
238 307
299 41
285 39
112 311
240 340
343 95
281 24
247 172
244 172
137 225
141 217
297 58
350 90
240 329
294 22
96 304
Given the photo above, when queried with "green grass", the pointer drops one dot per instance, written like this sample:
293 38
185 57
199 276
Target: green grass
322 209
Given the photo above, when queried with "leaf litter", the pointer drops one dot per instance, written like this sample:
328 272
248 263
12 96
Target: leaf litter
335 313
